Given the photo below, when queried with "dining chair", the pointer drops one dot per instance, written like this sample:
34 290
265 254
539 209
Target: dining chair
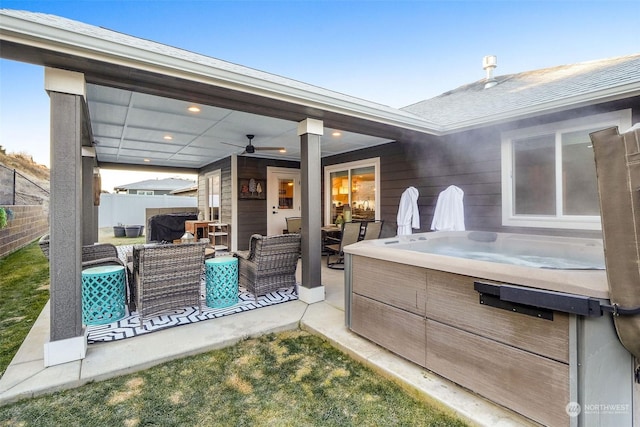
294 224
373 229
350 234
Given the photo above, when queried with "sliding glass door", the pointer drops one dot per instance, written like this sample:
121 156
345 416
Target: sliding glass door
354 184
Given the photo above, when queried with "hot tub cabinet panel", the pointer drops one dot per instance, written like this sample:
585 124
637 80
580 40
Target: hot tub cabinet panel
452 300
426 308
400 331
404 286
516 379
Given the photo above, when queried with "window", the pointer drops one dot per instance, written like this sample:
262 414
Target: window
212 209
285 193
355 184
144 192
549 175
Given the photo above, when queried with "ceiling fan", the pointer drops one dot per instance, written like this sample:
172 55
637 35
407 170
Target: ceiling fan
250 148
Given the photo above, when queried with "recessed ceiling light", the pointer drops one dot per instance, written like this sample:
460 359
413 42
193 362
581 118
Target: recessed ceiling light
146 160
284 150
194 109
168 137
336 133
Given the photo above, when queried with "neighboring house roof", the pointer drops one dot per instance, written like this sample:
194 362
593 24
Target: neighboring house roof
186 190
533 93
168 184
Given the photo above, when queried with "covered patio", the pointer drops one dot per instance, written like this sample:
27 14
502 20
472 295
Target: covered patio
121 102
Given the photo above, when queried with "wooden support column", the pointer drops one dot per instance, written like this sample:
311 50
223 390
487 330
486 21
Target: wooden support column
310 132
67 341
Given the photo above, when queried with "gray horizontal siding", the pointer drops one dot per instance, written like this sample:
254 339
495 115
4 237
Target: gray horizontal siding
469 160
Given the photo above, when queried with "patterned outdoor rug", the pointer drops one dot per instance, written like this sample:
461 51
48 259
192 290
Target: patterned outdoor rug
129 326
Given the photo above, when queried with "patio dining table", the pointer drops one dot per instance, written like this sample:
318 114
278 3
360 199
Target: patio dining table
330 235
330 229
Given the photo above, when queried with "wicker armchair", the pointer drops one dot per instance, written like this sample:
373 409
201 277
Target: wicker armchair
95 256
167 277
92 255
44 245
270 263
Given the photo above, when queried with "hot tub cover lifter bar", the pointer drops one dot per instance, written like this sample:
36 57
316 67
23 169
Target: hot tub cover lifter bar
541 303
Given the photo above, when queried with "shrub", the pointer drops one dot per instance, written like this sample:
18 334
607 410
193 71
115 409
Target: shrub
3 218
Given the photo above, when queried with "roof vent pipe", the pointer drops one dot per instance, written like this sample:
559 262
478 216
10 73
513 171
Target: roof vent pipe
490 62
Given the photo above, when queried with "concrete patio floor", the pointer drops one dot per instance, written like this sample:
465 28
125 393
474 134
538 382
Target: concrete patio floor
27 377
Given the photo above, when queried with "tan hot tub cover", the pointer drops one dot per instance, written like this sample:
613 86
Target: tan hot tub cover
618 169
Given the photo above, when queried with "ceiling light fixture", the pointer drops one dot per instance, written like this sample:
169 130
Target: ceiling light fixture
336 133
168 137
146 160
194 109
283 150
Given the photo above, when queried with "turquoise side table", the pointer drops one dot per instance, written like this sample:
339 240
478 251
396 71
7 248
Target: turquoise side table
103 294
222 281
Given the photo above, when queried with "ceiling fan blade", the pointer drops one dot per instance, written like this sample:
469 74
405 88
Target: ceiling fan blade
270 148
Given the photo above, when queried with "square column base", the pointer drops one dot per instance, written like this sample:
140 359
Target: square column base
310 295
64 351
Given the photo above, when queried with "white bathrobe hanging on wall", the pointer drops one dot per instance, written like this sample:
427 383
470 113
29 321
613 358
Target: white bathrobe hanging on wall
408 215
449 212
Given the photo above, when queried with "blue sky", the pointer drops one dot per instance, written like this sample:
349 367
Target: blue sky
391 52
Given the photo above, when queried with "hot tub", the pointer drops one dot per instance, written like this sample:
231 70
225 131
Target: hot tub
430 298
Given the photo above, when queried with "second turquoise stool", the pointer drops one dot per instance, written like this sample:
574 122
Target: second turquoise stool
222 281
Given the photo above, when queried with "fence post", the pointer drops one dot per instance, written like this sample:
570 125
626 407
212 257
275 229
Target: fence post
14 187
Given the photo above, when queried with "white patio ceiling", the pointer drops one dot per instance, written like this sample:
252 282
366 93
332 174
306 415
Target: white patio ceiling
132 128
138 92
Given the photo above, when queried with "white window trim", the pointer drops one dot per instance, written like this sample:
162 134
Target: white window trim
621 118
207 207
374 161
144 192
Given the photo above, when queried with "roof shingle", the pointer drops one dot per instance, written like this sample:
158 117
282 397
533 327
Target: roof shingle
532 91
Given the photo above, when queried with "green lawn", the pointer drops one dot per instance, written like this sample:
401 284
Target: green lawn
25 291
105 235
287 379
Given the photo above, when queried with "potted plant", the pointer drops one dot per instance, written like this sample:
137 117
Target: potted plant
6 215
132 230
118 230
3 218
